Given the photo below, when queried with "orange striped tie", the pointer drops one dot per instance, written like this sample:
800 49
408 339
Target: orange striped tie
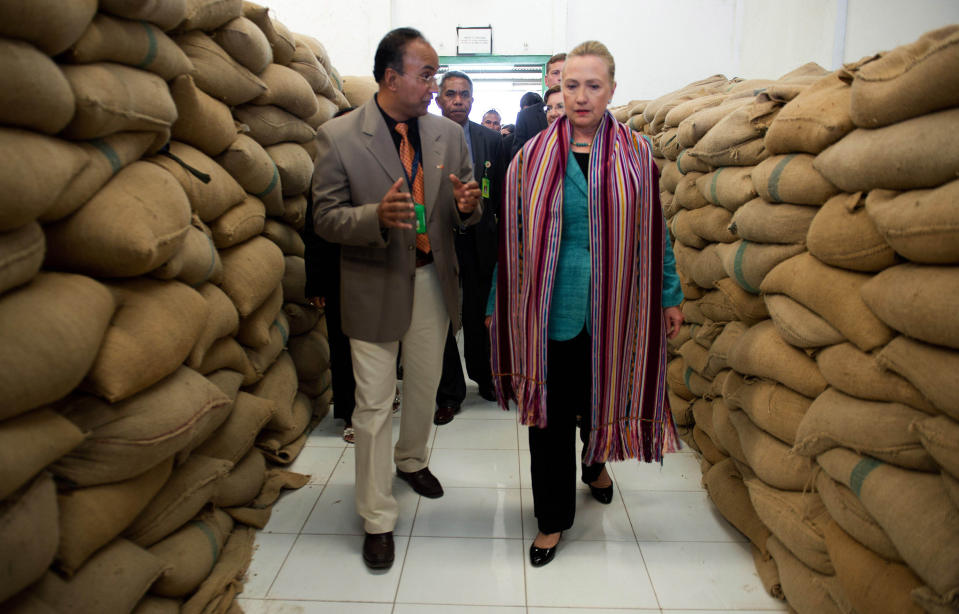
419 192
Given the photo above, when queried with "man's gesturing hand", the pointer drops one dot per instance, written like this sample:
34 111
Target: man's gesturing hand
396 208
467 194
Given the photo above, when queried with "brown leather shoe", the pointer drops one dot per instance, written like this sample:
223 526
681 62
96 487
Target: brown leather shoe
378 550
423 482
444 414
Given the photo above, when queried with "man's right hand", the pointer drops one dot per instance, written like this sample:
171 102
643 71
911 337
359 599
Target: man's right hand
396 208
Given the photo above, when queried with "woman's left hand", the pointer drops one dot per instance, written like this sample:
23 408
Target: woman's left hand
674 319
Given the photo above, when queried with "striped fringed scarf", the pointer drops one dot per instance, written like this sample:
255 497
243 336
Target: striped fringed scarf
630 415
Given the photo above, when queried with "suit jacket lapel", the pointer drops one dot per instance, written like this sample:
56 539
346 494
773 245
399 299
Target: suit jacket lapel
434 171
380 142
479 150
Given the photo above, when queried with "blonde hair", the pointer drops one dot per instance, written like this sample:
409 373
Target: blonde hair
599 50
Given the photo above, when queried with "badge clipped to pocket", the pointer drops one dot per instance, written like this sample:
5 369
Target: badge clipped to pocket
420 210
485 187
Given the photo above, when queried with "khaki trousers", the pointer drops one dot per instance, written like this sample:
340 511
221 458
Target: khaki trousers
374 367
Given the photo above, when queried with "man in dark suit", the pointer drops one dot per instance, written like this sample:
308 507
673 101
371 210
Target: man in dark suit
476 250
532 119
371 167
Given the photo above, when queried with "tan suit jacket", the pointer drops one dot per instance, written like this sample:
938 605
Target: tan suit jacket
356 164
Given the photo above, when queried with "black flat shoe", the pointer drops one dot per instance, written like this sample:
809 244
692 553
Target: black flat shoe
541 556
603 495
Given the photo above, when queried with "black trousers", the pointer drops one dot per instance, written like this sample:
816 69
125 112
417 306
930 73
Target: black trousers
341 362
476 346
553 449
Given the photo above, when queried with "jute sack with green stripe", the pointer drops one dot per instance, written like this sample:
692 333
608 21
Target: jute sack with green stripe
729 302
134 43
36 94
669 145
908 81
729 186
877 428
848 512
191 552
208 185
51 25
675 382
764 222
922 225
843 235
914 510
747 262
670 177
689 164
813 120
254 169
792 179
687 194
164 14
202 120
196 262
798 325
263 357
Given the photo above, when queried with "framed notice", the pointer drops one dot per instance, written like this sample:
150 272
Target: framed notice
474 40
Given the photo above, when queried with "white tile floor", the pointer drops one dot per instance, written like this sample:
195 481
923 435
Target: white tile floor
659 547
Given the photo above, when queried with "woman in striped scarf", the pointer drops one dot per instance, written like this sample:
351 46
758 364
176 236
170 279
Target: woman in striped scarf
586 294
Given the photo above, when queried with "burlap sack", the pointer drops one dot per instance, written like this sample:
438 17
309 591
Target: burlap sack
871 583
914 510
702 410
320 391
114 98
294 211
228 381
49 24
878 429
152 333
726 435
749 153
359 89
681 227
157 605
832 293
701 87
294 280
685 258
191 553
288 240
933 370
210 14
197 260
729 187
222 320
92 517
850 514
243 483
681 409
940 437
202 121
251 272
730 302
30 442
774 408
36 171
294 165
288 90
805 590
747 263
796 519
691 291
858 374
922 152
52 330
762 352
706 268
711 453
311 354
131 226
276 444
711 223
670 177
279 386
792 179
843 235
770 458
765 222
798 325
687 195
694 127
951 485
675 379
908 81
246 43
310 68
707 333
209 199
263 357
186 492
36 94
269 125
689 164
815 119
922 225
28 535
326 109
134 435
917 300
726 489
21 255
254 169
113 580
681 111
235 437
218 74
165 14
733 130
768 573
669 144
132 43
240 223
104 158
718 355
226 353
281 39
217 592
254 329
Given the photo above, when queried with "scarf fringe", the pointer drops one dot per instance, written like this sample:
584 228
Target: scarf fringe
629 439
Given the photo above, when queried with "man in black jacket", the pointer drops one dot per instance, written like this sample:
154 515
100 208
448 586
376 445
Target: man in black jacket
532 119
475 249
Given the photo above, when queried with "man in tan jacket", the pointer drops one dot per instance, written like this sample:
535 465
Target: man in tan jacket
378 169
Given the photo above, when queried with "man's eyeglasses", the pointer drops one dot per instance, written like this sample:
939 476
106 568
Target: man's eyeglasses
425 80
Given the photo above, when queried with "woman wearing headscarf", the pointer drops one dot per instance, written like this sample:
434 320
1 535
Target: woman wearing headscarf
586 296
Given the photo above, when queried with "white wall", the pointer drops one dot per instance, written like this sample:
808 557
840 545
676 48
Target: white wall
659 45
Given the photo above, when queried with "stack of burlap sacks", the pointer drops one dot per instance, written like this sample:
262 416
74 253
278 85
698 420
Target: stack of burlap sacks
159 356
816 231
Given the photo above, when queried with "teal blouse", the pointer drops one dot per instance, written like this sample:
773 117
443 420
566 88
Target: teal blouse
569 309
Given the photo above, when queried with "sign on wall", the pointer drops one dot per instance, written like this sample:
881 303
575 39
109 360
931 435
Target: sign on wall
474 40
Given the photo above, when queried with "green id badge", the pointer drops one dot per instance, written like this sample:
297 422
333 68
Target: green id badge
420 211
485 187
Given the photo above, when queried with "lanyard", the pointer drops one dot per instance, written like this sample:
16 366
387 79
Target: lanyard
414 169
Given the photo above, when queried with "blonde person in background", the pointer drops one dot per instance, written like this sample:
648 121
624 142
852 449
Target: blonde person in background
586 296
555 108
